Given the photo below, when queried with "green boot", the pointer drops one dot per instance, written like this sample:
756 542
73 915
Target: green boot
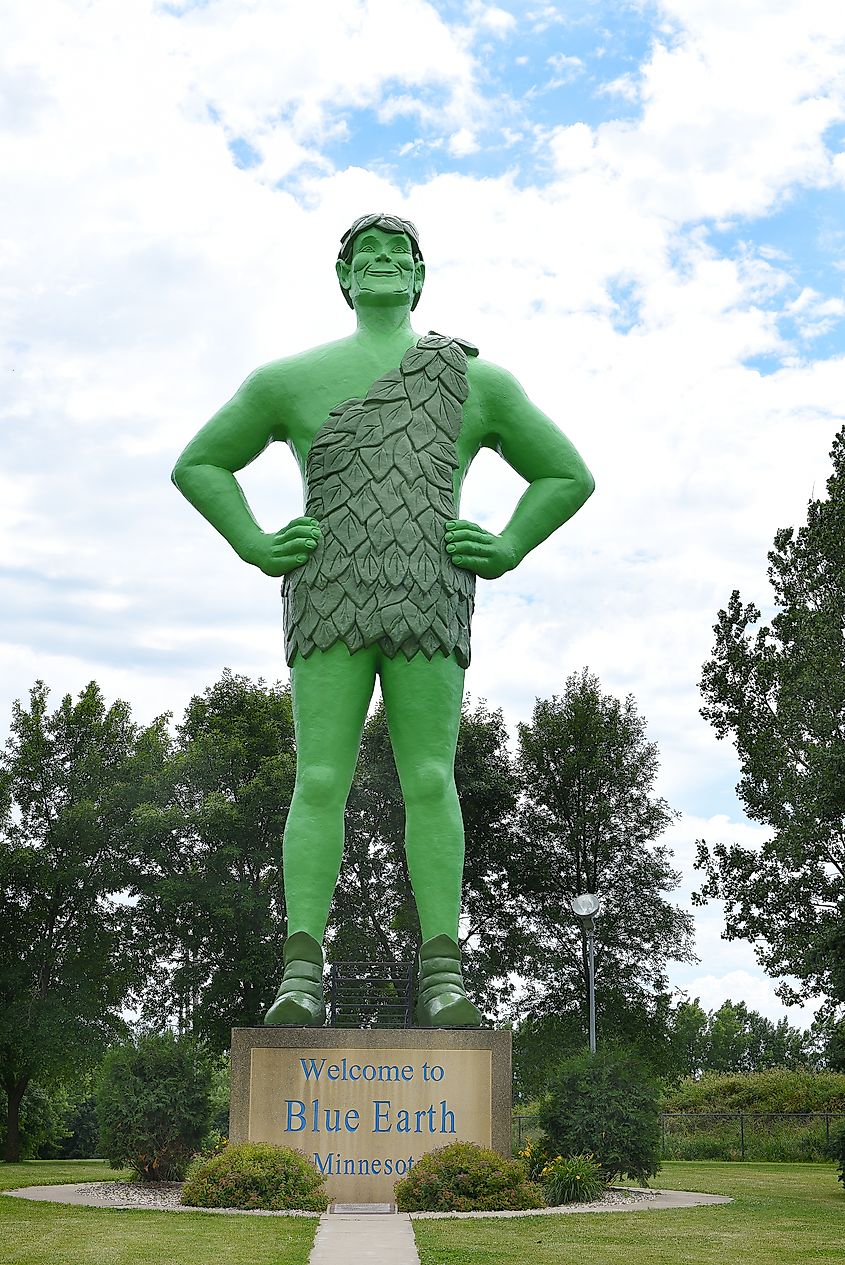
299 1000
441 999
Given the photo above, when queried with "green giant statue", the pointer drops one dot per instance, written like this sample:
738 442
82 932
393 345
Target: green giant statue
379 578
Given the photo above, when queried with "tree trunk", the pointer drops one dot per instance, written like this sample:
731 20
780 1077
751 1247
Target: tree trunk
14 1095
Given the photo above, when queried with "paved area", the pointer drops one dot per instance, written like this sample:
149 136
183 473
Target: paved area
364 1239
92 1195
123 1195
640 1201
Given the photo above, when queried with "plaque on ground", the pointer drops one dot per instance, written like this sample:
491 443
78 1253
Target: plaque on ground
365 1105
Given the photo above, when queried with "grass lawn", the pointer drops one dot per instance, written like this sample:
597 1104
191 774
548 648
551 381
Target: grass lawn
58 1234
783 1214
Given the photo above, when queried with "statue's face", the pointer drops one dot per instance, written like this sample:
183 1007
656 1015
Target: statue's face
382 269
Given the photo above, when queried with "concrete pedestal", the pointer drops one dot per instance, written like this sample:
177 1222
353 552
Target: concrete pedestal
366 1104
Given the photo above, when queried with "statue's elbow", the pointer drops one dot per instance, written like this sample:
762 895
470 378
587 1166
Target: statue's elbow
178 474
586 485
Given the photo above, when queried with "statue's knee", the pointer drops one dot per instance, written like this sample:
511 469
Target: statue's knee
319 785
429 782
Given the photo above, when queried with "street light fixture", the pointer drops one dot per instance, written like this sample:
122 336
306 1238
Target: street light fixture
585 908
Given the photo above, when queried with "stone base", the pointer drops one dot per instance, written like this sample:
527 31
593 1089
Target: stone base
365 1104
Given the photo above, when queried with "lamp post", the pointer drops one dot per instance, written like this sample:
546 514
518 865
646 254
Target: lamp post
585 908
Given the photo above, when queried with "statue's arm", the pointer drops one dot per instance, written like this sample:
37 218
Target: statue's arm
558 480
205 474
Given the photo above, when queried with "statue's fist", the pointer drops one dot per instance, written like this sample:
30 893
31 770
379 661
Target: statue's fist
471 547
276 553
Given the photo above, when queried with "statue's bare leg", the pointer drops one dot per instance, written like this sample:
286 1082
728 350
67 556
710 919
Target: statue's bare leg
331 691
422 699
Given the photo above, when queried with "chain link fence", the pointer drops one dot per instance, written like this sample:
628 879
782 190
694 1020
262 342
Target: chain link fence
786 1136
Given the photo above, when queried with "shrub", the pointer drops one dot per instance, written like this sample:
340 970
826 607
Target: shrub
535 1156
257 1175
154 1105
577 1179
776 1089
606 1105
837 1152
697 1135
463 1177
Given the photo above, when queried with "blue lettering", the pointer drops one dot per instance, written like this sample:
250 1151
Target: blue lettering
407 1073
325 1166
382 1116
299 1113
351 1119
333 1072
446 1117
310 1068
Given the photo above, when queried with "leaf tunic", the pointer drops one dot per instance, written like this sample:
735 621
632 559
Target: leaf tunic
380 480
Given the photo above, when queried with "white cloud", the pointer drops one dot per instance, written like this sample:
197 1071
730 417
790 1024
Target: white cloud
462 142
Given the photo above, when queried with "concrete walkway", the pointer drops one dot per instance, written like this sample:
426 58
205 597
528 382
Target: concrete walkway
364 1239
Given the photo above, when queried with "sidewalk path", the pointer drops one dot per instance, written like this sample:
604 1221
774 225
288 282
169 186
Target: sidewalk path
364 1239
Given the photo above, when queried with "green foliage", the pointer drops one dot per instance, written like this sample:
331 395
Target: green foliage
256 1175
735 1039
211 895
154 1105
463 1177
42 1119
589 823
70 782
535 1156
80 1138
575 1179
777 1089
699 1136
837 1152
779 692
220 1078
605 1104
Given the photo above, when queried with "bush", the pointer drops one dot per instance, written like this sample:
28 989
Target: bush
697 1135
257 1175
578 1179
463 1177
535 1156
776 1089
837 1152
606 1105
154 1105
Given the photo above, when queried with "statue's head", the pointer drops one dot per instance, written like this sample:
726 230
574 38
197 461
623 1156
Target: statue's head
380 261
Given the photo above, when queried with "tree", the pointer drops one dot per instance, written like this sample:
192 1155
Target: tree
605 1104
154 1104
69 783
374 914
743 1040
209 885
590 822
778 691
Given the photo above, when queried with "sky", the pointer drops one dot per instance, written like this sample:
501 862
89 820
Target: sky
636 207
